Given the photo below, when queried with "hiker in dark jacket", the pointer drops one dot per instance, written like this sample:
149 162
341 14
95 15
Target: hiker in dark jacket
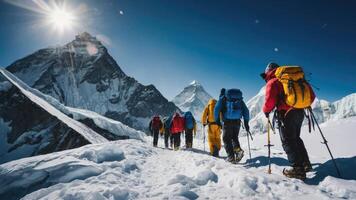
155 128
167 132
289 122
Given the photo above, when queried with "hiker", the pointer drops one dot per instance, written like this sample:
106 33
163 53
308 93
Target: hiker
167 132
176 128
190 129
214 131
232 108
289 118
155 128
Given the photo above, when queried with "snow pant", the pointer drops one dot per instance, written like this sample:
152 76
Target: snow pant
155 137
167 136
214 137
189 138
176 140
289 128
231 136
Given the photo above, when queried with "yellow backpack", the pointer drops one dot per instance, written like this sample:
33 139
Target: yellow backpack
297 90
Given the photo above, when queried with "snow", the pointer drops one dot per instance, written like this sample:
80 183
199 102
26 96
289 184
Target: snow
132 169
82 129
5 86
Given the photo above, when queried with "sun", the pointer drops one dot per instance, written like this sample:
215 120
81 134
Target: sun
61 19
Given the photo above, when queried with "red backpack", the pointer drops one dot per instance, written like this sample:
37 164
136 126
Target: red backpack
156 123
177 124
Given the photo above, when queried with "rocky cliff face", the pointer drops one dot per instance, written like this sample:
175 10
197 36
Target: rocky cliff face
82 74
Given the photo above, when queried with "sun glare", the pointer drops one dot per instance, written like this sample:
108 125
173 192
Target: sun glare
61 19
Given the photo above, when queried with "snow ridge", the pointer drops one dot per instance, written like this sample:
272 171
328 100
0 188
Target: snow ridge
80 128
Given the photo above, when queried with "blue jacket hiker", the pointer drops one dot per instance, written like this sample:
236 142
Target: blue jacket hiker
231 108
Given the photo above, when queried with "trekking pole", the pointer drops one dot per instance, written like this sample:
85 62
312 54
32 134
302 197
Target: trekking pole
325 142
248 135
269 145
248 143
203 136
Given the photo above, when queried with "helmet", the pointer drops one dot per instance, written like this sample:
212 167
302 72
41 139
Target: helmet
271 66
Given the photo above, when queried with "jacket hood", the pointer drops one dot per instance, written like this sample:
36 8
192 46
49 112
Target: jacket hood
270 75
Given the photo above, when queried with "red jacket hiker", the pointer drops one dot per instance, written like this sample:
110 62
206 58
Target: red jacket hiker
275 94
177 124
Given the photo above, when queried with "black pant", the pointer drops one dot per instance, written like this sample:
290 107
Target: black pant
167 136
290 136
231 136
176 139
189 138
155 137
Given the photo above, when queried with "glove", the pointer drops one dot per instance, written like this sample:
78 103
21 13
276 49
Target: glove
267 114
219 124
247 127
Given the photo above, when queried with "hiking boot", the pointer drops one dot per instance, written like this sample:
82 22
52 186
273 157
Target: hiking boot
307 167
239 154
230 159
215 152
295 172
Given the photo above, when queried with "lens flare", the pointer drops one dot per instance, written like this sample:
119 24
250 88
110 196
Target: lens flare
61 19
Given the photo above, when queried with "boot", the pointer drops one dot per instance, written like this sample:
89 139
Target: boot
216 152
230 159
239 153
307 166
295 172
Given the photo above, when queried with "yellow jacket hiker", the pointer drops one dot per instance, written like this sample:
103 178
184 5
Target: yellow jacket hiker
214 131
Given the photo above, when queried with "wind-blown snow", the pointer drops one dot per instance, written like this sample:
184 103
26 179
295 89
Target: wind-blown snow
132 169
82 129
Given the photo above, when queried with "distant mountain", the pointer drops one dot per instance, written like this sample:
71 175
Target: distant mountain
193 98
82 74
323 110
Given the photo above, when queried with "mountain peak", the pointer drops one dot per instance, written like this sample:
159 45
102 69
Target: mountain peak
195 83
85 36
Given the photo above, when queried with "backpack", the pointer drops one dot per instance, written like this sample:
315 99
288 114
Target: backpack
156 123
298 92
189 120
177 124
232 104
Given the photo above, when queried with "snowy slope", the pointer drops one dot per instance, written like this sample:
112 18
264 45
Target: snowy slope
323 110
32 123
80 128
193 98
82 74
132 169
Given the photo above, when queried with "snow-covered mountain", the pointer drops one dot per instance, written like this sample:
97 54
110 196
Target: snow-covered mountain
193 98
32 123
82 74
132 169
323 110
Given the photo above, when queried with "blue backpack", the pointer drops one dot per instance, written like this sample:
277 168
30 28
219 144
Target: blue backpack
189 120
232 105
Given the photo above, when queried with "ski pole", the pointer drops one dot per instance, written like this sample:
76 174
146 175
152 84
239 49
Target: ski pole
248 143
248 135
203 136
269 145
325 142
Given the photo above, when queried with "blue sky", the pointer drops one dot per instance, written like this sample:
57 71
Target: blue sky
218 43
